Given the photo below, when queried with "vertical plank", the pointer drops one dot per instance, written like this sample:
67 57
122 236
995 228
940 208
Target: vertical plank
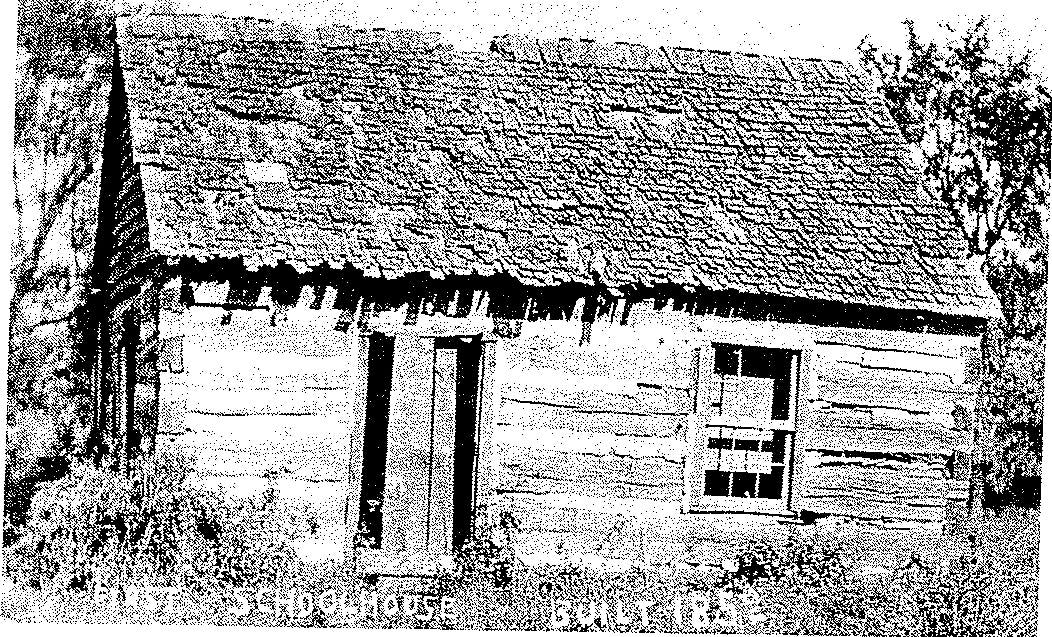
487 418
132 435
693 479
119 401
409 445
805 422
357 442
443 428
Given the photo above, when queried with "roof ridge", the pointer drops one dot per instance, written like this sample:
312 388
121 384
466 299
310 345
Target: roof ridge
493 47
669 47
196 14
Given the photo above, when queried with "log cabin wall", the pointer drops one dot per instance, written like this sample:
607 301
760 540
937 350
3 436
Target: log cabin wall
263 404
593 440
592 427
119 334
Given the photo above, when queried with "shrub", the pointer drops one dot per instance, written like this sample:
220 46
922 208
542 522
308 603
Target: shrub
984 583
487 579
490 554
98 528
981 580
94 528
802 559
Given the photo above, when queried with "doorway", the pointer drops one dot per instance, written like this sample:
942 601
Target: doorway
456 419
420 443
374 441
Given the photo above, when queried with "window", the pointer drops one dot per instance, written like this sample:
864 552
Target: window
744 436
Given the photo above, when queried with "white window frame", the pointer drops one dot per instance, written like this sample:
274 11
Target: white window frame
750 334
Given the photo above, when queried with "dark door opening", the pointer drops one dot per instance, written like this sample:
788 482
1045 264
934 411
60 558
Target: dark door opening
374 442
465 456
464 395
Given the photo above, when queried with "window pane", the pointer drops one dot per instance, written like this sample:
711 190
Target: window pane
783 390
766 369
720 443
778 447
771 484
747 445
717 482
744 484
760 362
726 360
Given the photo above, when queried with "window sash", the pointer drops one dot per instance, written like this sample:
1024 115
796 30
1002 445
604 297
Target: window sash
708 418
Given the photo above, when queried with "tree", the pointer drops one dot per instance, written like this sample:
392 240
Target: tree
63 59
1012 396
63 71
979 119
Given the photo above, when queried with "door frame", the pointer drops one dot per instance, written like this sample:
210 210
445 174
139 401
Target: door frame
484 424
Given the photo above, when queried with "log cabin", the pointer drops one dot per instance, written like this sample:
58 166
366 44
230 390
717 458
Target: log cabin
613 290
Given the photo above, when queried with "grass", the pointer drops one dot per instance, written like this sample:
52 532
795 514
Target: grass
151 547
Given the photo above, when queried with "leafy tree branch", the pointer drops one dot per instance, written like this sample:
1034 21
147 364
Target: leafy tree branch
980 119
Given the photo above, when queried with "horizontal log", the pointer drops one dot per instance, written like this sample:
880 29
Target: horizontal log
861 434
950 368
534 516
935 344
584 473
882 418
206 429
544 438
252 401
929 464
957 490
637 360
845 385
545 486
641 400
869 508
561 379
585 515
304 338
529 414
585 505
199 357
234 378
873 488
311 461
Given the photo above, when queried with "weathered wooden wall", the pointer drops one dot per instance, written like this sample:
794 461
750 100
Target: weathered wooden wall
592 426
120 327
263 404
591 438
892 425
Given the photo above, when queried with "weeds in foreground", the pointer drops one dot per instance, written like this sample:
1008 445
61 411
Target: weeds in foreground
93 539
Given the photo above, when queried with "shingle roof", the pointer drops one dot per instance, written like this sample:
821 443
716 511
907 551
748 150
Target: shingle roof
559 161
